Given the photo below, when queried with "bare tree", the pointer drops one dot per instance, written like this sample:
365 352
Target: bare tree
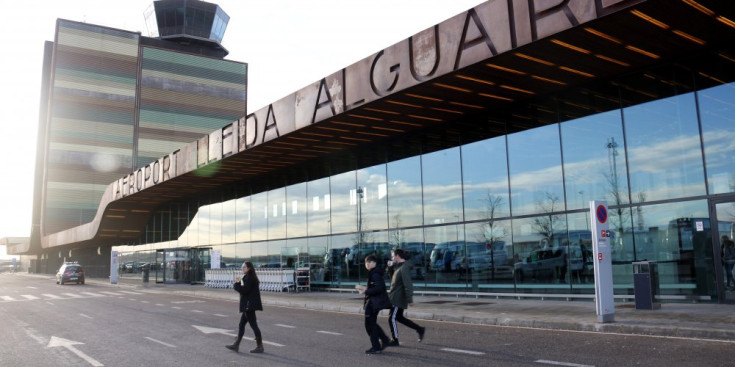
487 233
544 225
397 237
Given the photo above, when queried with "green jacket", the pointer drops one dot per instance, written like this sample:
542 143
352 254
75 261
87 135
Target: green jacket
401 286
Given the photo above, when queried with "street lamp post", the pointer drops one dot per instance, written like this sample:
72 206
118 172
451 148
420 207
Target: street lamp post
360 193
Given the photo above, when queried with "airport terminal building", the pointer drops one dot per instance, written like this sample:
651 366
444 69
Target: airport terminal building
476 145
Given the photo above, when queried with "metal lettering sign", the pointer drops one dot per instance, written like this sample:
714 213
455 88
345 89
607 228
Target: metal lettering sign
604 300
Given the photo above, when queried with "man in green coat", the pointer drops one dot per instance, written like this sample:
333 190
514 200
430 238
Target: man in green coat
401 295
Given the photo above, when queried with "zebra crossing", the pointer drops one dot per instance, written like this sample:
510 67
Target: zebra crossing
63 296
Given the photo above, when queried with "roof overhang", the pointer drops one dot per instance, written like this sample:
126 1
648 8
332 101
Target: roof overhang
447 78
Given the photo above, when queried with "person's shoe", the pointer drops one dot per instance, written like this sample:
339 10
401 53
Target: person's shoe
259 346
235 347
373 351
421 332
392 343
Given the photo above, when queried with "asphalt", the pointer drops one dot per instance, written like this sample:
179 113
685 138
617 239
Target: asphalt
682 320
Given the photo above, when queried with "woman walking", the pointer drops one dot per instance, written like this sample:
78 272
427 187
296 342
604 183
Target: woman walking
376 299
248 287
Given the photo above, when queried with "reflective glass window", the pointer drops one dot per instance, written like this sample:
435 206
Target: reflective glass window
318 206
344 208
259 219
404 193
489 257
345 247
296 210
444 245
244 215
229 221
215 224
534 158
594 160
374 206
189 236
441 176
540 259
664 150
332 260
485 179
228 255
203 218
277 213
678 237
717 111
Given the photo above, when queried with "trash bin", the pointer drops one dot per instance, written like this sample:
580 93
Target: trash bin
146 274
645 285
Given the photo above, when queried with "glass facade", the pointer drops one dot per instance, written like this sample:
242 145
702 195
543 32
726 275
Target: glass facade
91 123
117 105
506 214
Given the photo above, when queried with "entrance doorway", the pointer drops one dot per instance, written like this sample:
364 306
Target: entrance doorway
176 266
722 212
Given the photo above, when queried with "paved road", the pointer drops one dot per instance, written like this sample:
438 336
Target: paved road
95 324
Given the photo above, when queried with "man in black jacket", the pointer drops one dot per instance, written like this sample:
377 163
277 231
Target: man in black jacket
401 295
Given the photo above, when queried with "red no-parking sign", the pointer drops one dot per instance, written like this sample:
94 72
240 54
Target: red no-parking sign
601 236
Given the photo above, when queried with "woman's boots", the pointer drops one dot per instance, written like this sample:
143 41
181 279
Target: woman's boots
234 346
259 347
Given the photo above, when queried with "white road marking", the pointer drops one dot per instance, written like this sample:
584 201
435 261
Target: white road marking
7 298
160 342
175 307
196 311
472 352
160 304
217 314
197 301
557 363
130 292
87 316
52 296
28 296
111 293
72 295
92 294
328 332
211 330
32 287
69 344
286 326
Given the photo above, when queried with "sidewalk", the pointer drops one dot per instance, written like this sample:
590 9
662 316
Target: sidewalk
688 320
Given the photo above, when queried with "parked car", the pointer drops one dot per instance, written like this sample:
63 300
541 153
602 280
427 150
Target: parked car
477 257
550 263
70 272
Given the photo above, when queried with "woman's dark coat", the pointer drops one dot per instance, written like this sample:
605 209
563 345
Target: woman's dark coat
376 296
249 294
